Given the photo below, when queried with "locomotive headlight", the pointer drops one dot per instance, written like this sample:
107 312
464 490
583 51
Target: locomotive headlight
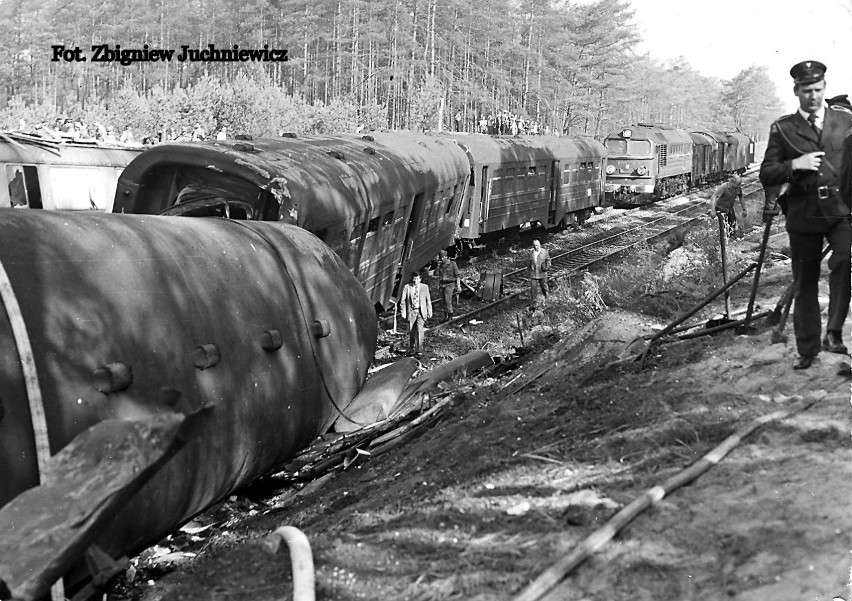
610 169
641 171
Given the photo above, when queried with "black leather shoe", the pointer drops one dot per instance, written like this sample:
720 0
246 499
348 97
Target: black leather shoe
833 343
804 362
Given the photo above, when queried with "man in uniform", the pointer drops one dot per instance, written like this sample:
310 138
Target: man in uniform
416 307
450 279
537 266
722 202
805 150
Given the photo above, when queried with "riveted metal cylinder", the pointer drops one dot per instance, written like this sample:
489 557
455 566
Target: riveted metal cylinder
156 292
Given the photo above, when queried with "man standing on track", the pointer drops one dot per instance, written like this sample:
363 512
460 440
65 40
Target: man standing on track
538 265
450 279
805 149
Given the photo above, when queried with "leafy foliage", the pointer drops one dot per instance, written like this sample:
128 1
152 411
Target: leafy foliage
355 63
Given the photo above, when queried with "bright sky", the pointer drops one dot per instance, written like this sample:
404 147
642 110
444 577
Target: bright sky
720 38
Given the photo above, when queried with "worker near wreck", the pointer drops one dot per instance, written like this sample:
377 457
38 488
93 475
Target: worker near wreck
450 281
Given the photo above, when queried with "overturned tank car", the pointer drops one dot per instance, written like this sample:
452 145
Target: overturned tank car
255 332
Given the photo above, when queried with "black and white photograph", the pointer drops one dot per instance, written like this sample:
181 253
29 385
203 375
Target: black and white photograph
425 300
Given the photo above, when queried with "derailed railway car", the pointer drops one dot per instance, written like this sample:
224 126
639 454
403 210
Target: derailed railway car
44 173
646 163
549 180
259 329
386 203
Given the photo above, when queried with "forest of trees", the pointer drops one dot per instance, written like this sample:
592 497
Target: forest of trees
571 66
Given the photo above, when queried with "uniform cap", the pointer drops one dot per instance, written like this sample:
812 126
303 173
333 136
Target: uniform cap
807 72
840 100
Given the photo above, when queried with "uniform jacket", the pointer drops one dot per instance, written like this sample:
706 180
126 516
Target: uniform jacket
846 171
407 301
538 266
790 137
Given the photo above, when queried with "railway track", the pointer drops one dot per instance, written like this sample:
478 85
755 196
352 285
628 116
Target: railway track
593 252
667 217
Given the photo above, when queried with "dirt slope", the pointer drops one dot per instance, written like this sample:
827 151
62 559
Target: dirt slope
536 456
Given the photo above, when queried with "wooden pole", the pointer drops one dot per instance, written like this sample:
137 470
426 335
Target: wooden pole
542 585
724 254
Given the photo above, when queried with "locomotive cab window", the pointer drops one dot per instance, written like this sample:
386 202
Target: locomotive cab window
638 147
616 146
24 188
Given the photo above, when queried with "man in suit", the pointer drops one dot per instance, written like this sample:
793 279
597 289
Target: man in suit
805 150
537 266
416 307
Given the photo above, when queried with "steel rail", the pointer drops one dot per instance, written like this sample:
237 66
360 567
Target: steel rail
593 254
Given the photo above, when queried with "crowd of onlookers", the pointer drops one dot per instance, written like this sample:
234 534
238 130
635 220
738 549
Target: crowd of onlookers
77 129
501 123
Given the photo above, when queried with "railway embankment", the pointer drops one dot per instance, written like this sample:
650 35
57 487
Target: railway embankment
540 453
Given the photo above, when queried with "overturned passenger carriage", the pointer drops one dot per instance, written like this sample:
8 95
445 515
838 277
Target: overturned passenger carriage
38 172
386 203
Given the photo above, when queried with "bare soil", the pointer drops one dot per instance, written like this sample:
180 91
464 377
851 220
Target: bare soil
539 452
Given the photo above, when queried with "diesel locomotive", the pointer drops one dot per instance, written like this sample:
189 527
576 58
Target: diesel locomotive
648 162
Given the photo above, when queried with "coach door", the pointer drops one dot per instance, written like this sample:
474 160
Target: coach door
484 196
555 184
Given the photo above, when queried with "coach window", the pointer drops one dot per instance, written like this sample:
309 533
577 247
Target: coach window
24 188
80 189
496 183
337 242
354 244
373 227
386 229
399 228
452 198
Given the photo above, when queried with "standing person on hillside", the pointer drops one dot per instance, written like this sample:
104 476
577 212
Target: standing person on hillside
416 307
805 149
538 265
722 202
450 280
